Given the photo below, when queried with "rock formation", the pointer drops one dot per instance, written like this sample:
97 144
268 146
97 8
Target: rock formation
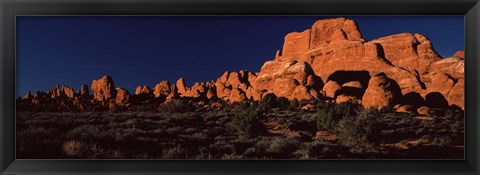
68 91
283 76
103 89
457 94
181 86
162 88
142 90
84 90
28 96
329 61
382 91
122 96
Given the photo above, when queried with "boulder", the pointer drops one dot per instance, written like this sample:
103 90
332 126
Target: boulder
438 82
382 91
353 84
453 66
230 80
254 94
284 87
346 98
273 70
436 100
330 88
237 95
314 82
252 76
222 90
211 93
456 94
459 54
199 89
423 110
301 93
403 108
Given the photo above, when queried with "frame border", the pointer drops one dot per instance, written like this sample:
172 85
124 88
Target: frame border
9 9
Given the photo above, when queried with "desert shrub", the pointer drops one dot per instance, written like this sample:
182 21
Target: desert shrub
244 105
73 148
387 109
303 153
442 141
198 138
454 114
283 103
174 130
178 105
174 153
267 102
294 104
86 132
232 156
359 131
113 108
324 119
252 152
330 113
282 146
248 121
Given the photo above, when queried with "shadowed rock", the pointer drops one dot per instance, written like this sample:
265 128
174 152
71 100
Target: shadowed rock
342 77
436 100
414 99
84 90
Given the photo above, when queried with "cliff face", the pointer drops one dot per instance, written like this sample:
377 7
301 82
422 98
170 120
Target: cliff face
329 61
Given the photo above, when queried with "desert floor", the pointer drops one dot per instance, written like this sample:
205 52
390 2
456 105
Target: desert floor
242 131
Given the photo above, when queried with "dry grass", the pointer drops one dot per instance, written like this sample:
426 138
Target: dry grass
291 134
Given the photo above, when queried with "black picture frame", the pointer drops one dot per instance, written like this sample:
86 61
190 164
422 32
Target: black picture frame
9 9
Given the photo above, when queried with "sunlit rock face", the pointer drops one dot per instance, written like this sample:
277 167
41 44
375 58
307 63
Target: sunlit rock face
103 89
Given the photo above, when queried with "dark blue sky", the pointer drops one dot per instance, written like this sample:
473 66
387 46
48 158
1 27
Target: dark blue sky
144 50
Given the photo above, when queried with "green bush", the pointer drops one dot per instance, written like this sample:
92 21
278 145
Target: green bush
359 131
324 119
268 101
244 105
328 114
174 153
294 104
248 121
387 109
283 103
178 105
